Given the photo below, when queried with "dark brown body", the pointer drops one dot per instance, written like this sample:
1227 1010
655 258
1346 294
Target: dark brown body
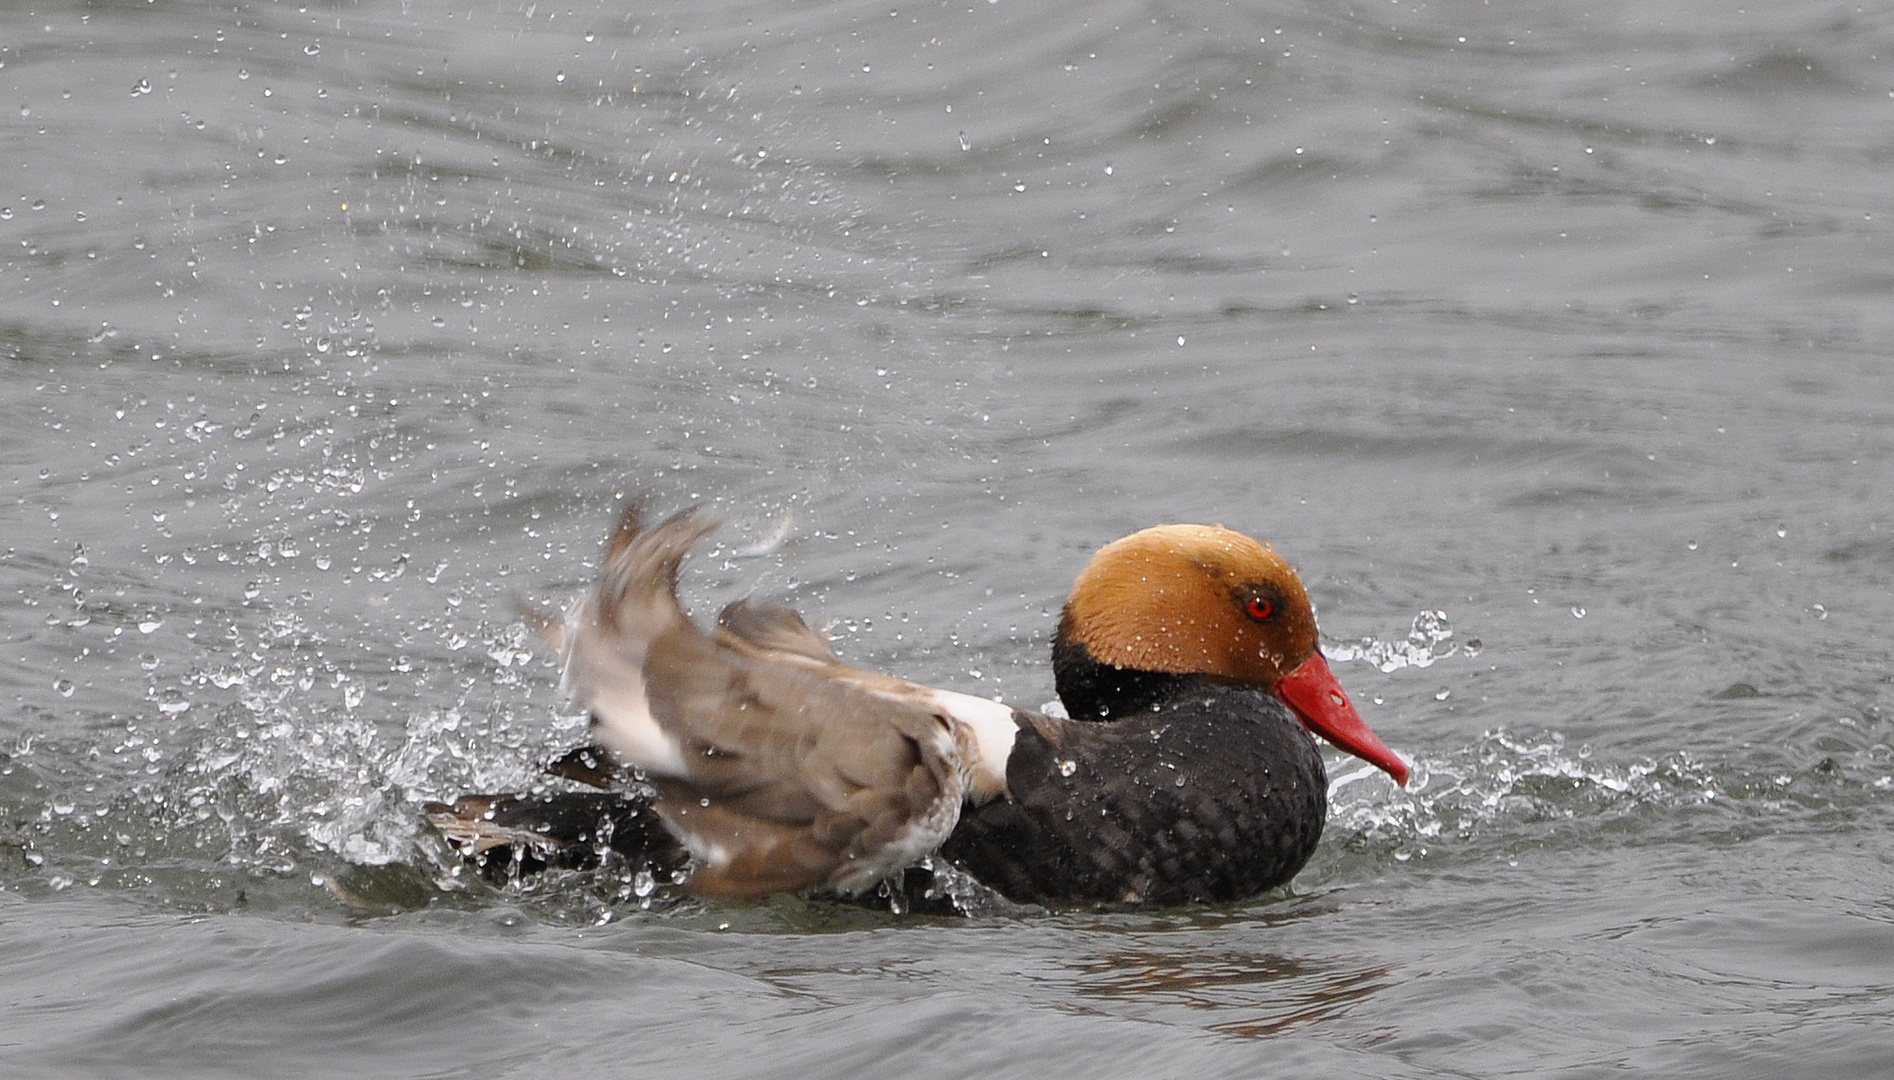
1214 794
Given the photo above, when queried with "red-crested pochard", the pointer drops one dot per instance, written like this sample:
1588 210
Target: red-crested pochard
1186 658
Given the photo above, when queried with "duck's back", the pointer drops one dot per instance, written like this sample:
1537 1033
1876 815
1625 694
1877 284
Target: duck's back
1215 794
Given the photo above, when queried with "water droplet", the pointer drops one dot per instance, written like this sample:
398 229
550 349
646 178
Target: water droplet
1019 185
1068 767
1442 694
141 87
64 686
965 143
311 49
561 77
149 624
1577 612
643 884
1782 531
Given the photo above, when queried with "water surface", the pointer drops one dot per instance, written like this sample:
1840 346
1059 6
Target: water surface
1552 344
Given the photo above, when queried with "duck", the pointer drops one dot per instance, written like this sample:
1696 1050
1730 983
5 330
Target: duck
748 759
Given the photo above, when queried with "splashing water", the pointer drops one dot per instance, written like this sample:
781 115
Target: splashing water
1428 640
1505 779
257 770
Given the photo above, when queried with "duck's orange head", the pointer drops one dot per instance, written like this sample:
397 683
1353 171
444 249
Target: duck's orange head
1203 600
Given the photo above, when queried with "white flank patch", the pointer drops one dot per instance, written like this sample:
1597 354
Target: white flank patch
626 727
993 730
713 855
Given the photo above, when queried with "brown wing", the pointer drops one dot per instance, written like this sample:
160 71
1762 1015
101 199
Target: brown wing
773 775
760 626
983 728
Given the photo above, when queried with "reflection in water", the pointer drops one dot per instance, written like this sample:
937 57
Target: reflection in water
1266 993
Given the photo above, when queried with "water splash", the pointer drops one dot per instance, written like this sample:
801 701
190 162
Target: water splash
1428 639
265 768
961 890
1507 780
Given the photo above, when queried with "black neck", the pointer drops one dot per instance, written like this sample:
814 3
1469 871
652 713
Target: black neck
1094 690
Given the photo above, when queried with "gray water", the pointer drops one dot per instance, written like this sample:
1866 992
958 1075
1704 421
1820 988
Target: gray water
1553 342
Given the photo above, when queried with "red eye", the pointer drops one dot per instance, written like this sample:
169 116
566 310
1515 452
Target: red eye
1259 607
